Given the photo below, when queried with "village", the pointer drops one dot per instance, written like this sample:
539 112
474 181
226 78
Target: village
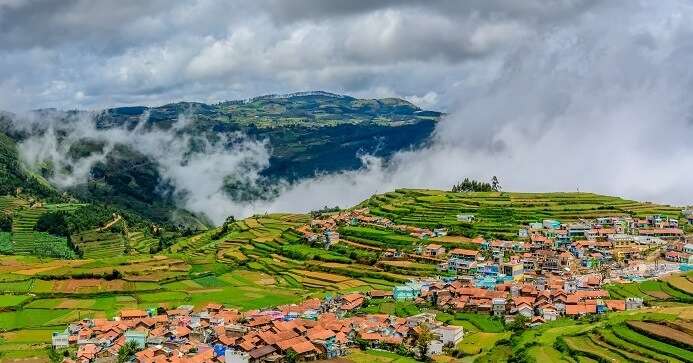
617 248
552 270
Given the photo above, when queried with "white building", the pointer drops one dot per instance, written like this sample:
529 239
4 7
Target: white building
435 347
60 339
449 334
468 218
235 356
523 233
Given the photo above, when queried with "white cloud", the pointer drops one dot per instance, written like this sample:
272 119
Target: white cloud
546 95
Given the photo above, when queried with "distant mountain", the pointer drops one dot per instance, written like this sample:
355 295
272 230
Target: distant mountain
307 134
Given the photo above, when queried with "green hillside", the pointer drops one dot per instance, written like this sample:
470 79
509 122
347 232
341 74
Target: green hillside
262 261
307 133
13 174
71 230
501 214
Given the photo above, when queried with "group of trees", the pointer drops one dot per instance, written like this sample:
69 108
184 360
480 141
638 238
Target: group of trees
5 222
225 228
469 185
323 210
65 223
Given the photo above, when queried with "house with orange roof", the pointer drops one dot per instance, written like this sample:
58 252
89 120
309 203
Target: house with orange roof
433 250
133 314
464 254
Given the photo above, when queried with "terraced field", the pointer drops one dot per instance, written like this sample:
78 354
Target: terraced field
501 214
23 234
634 341
25 240
95 244
141 242
267 244
673 288
10 203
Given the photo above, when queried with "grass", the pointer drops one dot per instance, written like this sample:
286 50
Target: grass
544 353
247 297
162 297
29 318
479 342
377 356
11 301
387 306
484 323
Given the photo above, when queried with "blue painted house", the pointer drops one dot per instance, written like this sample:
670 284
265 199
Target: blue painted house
406 292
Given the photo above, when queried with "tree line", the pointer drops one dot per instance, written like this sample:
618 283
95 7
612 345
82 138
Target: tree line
470 185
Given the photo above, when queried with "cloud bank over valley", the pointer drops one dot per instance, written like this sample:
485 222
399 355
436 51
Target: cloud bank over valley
547 95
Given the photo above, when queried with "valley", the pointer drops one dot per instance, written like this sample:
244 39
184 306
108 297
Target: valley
377 251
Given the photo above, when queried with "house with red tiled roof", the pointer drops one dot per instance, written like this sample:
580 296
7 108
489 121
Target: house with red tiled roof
615 305
464 254
434 250
351 302
133 314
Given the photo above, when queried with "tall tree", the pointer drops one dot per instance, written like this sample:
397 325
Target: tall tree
495 185
127 351
424 338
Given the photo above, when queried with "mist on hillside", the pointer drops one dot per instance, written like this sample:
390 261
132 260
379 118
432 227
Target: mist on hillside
588 107
195 168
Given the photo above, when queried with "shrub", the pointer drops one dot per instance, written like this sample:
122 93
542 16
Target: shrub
5 222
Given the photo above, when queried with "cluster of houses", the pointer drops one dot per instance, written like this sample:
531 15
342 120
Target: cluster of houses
553 247
546 246
324 329
315 329
544 299
324 230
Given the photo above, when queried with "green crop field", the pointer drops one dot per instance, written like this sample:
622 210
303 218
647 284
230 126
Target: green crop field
11 301
501 214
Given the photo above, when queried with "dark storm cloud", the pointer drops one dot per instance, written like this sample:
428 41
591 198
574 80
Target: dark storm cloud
96 25
91 54
544 10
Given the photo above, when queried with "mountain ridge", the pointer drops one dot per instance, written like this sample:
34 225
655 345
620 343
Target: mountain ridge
306 134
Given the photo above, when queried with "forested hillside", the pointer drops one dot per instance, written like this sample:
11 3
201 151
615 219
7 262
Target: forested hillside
305 134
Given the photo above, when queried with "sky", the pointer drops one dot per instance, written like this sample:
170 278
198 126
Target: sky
558 95
95 54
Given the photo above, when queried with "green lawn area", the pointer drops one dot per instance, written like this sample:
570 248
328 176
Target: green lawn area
388 306
162 297
210 281
480 342
16 286
542 353
450 320
27 318
247 297
377 356
10 301
483 322
28 336
183 285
